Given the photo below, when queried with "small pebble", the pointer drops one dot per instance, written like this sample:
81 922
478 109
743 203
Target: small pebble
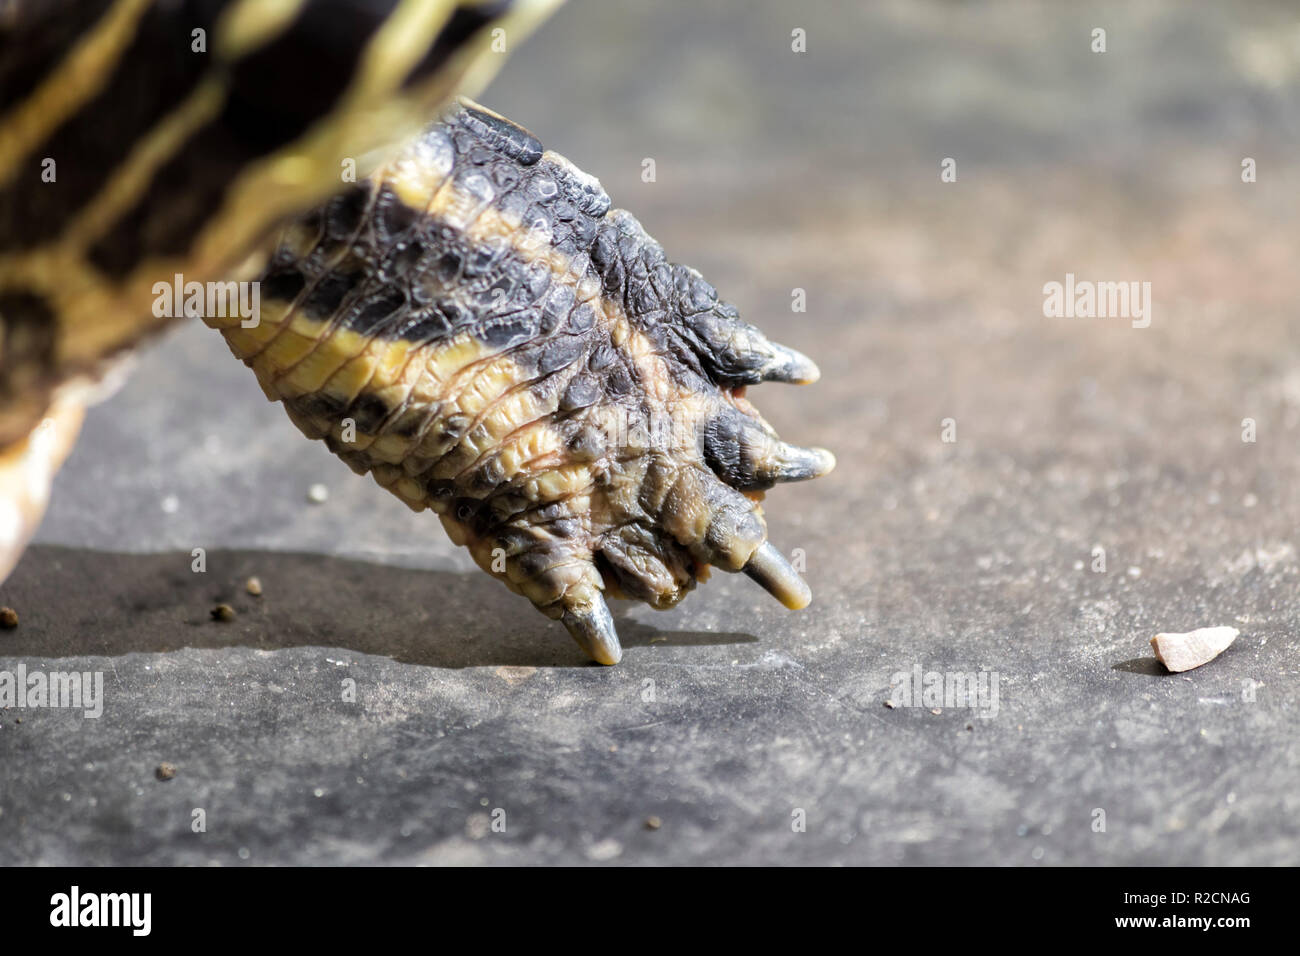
653 823
253 587
223 612
1182 652
8 618
165 771
318 494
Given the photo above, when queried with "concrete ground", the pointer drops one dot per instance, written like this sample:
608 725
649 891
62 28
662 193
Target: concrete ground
748 733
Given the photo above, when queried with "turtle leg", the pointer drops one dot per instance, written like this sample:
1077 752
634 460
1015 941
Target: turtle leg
476 329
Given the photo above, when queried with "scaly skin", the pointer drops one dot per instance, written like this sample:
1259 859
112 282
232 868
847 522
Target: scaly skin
478 330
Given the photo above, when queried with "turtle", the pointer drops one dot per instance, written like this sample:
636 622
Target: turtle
452 308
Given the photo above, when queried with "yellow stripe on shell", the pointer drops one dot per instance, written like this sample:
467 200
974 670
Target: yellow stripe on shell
370 115
97 318
69 86
250 24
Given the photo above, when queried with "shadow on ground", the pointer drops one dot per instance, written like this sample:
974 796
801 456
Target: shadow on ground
79 602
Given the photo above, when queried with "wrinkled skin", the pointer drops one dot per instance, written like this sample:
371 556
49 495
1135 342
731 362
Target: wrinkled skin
477 329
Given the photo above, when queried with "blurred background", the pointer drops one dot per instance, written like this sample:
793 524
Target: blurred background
775 170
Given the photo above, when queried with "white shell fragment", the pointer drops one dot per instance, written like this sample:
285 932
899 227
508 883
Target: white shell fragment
1182 652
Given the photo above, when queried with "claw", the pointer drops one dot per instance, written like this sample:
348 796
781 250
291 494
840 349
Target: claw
744 452
593 628
793 463
737 353
774 573
790 366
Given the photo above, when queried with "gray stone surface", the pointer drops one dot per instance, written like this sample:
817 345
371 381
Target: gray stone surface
729 714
